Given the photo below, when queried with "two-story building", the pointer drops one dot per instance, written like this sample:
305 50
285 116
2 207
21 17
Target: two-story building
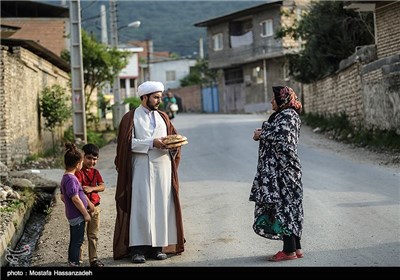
249 59
160 66
129 76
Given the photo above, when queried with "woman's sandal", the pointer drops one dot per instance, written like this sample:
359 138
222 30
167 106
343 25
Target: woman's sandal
96 263
281 256
299 255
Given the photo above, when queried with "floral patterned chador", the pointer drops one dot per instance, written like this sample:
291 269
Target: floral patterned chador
277 188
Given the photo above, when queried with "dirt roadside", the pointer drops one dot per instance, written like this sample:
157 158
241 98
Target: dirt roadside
53 244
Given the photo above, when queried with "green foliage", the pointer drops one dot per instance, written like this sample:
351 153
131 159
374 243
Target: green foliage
27 195
330 34
382 139
199 74
38 156
339 127
69 135
101 64
54 106
133 102
98 138
12 206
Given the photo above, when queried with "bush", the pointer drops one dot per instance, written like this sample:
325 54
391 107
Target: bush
134 102
100 139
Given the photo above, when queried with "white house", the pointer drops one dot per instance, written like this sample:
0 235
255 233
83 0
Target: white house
170 72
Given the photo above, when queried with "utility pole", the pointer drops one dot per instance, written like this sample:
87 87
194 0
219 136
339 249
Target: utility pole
104 37
148 58
78 96
119 109
201 49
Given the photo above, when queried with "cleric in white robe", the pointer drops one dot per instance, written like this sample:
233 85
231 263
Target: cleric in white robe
147 195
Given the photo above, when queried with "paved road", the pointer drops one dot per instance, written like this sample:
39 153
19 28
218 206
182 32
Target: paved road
352 215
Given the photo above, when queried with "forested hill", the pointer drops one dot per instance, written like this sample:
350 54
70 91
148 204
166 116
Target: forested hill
170 24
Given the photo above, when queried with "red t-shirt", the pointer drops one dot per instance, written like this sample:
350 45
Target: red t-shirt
90 177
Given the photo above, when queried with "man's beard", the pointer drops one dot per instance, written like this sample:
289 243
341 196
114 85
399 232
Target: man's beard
151 107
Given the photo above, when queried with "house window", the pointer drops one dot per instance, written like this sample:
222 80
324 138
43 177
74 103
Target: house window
170 75
217 42
267 28
233 76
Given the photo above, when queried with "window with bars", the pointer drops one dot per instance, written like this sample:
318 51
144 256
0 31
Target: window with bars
233 76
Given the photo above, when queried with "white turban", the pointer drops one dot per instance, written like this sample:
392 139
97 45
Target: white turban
150 87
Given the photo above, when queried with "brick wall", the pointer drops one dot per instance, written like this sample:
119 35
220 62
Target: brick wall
23 76
335 94
190 97
368 94
388 29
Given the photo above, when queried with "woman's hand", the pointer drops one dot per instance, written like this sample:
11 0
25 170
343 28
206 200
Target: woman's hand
257 134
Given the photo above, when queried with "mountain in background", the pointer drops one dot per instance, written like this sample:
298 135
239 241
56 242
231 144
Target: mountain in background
170 24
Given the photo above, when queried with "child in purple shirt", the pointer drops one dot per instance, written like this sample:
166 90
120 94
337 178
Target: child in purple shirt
75 202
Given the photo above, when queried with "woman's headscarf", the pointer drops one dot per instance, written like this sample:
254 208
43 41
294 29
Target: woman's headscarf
285 97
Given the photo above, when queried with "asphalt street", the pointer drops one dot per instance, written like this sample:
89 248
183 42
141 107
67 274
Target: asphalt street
352 216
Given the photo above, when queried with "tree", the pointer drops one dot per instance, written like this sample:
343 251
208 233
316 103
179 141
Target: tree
330 33
55 108
101 64
199 74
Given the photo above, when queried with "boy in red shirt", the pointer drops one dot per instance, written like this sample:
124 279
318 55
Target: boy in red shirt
92 184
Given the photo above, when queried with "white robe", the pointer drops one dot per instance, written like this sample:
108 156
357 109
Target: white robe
152 219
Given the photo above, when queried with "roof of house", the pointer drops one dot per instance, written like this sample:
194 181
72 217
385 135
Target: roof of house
235 15
8 30
10 9
38 50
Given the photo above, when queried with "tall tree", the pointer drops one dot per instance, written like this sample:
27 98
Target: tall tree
100 65
330 33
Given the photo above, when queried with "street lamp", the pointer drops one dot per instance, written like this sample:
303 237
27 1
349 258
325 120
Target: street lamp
134 24
119 109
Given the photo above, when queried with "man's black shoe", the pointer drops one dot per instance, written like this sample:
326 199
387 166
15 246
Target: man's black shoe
157 254
138 258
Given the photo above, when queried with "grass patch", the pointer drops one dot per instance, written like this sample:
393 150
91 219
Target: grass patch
26 196
340 128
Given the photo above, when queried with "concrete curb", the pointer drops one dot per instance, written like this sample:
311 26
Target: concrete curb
14 230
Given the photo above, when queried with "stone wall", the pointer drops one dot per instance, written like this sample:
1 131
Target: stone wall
23 76
381 93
